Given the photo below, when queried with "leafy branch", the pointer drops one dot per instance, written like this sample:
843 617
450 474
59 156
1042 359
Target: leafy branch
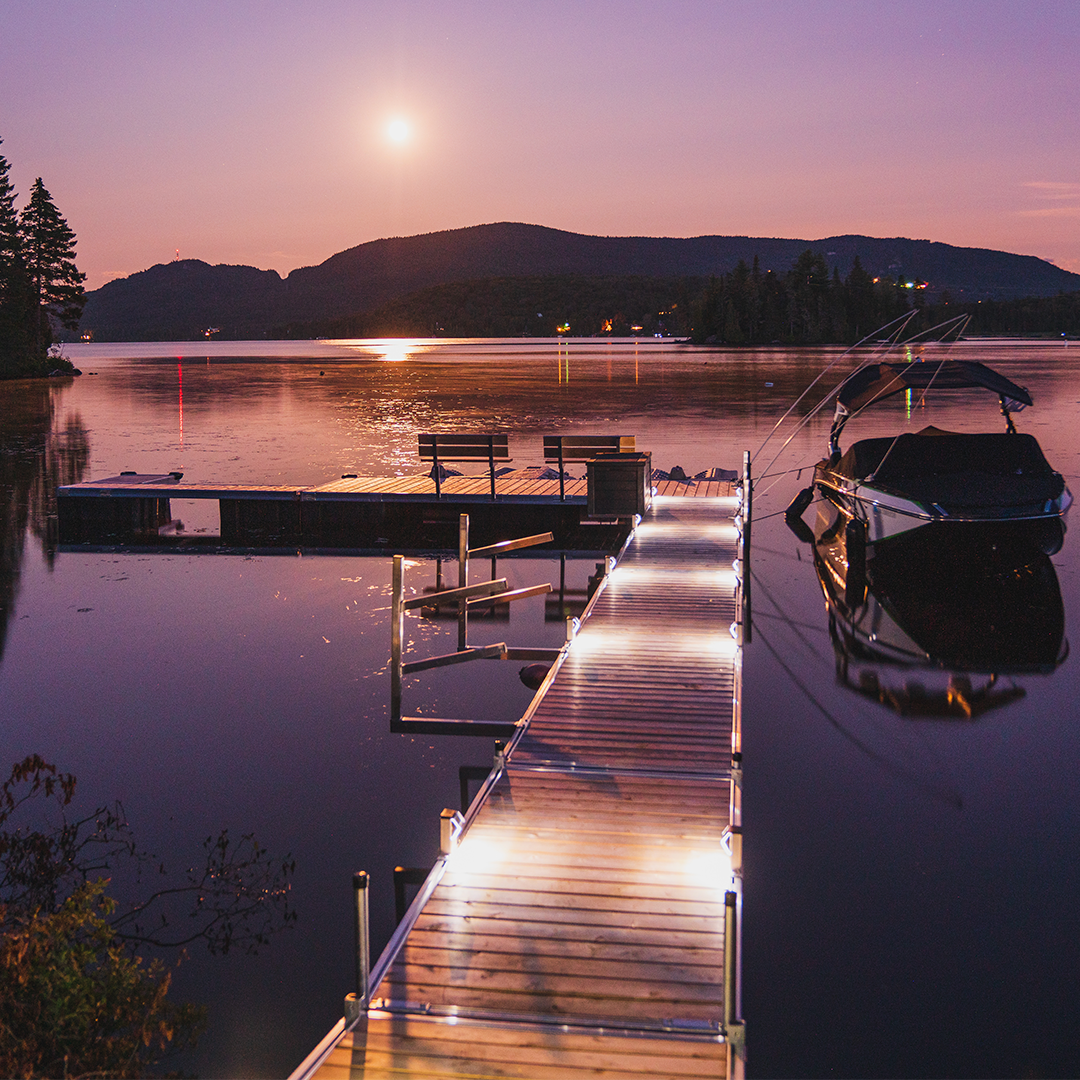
237 897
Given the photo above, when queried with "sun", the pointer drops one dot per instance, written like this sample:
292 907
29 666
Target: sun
398 131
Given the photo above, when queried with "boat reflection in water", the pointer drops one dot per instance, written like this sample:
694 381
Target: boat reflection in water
961 606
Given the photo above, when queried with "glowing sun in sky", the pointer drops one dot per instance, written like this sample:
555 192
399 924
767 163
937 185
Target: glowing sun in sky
398 131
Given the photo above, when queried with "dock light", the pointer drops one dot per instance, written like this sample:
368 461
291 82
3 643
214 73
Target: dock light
711 869
732 842
450 822
474 855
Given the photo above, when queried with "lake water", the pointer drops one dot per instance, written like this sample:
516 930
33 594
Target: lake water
911 884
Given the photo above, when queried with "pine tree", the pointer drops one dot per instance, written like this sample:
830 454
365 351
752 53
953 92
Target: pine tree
14 285
49 253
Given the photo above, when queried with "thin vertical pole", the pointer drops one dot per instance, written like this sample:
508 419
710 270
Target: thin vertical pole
397 633
748 512
562 484
363 936
435 457
491 463
731 933
463 580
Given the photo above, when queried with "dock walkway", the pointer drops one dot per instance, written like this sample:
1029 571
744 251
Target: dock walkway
578 928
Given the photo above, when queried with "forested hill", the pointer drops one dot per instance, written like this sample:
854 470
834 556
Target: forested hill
180 300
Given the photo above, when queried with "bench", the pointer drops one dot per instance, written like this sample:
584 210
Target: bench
562 448
439 448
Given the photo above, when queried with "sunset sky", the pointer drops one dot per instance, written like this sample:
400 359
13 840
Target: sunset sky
276 133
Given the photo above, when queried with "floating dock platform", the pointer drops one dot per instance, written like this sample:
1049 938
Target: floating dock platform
351 513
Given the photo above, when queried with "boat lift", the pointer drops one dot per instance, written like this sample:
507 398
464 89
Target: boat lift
482 593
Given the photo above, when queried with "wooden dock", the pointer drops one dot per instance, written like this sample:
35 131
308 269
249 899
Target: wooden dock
583 921
354 512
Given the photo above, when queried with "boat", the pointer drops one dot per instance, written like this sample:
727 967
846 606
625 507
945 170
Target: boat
886 487
938 622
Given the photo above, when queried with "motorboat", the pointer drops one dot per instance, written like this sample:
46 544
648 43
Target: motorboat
935 622
885 487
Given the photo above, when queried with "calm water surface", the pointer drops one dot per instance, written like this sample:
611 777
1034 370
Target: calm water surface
911 885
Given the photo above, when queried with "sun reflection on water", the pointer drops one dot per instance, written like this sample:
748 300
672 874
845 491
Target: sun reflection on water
390 350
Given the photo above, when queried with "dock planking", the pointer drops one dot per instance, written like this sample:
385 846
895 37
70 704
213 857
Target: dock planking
578 928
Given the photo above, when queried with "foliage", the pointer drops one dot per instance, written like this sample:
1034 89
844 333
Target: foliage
1042 316
235 898
68 951
40 285
524 307
15 294
49 255
74 1002
805 306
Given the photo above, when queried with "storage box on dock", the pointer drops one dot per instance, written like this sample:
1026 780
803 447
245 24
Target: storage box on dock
619 485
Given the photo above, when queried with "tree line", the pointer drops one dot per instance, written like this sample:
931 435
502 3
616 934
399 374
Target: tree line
806 305
541 306
809 306
41 288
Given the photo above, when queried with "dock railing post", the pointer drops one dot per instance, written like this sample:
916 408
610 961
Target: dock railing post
734 1029
363 934
397 633
463 580
744 553
356 1004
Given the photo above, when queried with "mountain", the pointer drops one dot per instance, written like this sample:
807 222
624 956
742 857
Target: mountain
180 300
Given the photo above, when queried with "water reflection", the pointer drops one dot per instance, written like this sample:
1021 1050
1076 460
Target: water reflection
208 689
962 608
389 350
36 455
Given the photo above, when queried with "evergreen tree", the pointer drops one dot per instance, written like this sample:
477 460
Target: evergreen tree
14 286
862 313
49 253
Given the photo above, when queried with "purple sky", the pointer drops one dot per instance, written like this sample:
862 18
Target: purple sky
254 131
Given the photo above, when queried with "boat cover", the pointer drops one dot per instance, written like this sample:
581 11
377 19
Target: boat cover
958 472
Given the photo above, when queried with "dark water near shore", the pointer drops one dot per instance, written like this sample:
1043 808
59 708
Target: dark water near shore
911 885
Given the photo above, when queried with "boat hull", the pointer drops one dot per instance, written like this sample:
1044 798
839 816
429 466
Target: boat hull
885 514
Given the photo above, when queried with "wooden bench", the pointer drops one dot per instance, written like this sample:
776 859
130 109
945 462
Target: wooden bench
562 448
439 448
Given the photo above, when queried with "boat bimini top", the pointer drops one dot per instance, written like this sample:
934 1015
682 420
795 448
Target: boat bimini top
875 382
